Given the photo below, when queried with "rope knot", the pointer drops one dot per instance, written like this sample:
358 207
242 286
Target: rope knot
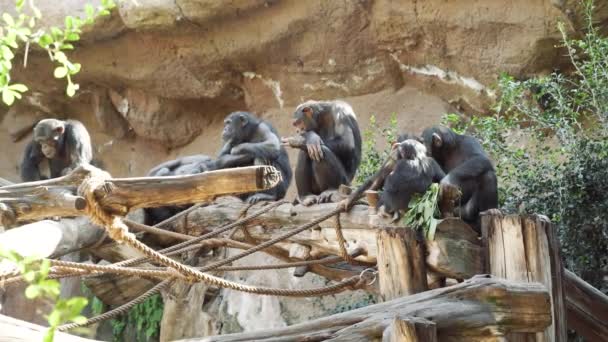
113 224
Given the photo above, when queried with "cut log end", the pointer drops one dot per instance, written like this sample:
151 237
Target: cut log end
267 177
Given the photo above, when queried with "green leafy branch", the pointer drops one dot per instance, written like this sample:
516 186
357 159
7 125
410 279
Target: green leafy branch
422 212
35 271
56 41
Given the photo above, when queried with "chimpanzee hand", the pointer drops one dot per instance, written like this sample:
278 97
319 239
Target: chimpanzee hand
313 146
295 142
238 149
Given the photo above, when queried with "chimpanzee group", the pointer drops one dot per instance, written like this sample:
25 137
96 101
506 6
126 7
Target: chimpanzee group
328 141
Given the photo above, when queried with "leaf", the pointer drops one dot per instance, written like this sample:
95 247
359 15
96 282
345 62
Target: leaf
430 234
104 13
8 96
75 68
89 10
79 320
19 4
54 318
71 89
6 52
45 40
49 336
56 32
32 22
72 37
60 72
66 46
32 291
8 19
69 22
60 57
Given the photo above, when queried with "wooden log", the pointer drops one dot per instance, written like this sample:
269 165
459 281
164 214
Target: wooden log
478 309
523 249
410 329
57 197
49 238
15 330
401 264
587 308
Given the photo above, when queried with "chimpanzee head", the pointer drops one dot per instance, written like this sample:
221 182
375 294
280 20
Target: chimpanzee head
49 134
437 139
305 117
410 149
238 126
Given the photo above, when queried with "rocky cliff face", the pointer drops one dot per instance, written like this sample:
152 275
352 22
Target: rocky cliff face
159 76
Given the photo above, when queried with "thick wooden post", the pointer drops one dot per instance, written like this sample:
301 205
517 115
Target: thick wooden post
587 308
410 329
526 249
401 263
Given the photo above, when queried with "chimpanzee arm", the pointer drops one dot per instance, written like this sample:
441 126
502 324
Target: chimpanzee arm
268 148
233 160
78 142
436 170
30 165
225 149
470 169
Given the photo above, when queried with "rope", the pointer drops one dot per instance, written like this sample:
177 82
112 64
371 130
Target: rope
342 241
273 241
216 232
121 309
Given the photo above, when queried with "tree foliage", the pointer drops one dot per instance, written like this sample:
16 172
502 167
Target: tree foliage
549 139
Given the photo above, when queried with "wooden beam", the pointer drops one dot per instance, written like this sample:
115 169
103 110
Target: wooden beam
401 264
410 329
58 196
478 309
15 330
587 308
522 249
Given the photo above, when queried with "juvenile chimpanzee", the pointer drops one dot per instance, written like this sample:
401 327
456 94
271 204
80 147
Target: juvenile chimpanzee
65 144
330 148
188 165
413 174
252 141
467 167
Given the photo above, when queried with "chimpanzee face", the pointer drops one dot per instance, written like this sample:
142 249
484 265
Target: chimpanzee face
232 125
303 120
49 133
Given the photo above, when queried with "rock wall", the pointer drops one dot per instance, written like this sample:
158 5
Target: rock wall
159 76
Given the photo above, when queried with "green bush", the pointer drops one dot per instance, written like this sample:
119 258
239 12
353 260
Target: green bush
548 137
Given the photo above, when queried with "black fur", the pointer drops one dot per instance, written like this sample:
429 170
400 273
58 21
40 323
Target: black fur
466 166
72 146
333 127
413 174
188 165
249 140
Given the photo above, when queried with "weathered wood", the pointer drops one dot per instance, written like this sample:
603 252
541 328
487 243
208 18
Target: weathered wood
522 249
14 330
49 238
456 250
477 309
57 197
410 329
401 264
587 308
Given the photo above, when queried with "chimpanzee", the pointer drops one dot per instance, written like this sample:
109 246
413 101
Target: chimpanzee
413 174
330 148
188 165
467 167
251 141
65 144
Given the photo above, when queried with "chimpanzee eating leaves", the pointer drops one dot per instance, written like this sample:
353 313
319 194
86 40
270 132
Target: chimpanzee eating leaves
414 172
330 149
467 167
65 144
252 141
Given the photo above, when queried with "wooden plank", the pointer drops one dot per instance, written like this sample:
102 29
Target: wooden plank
478 309
587 308
14 330
401 263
